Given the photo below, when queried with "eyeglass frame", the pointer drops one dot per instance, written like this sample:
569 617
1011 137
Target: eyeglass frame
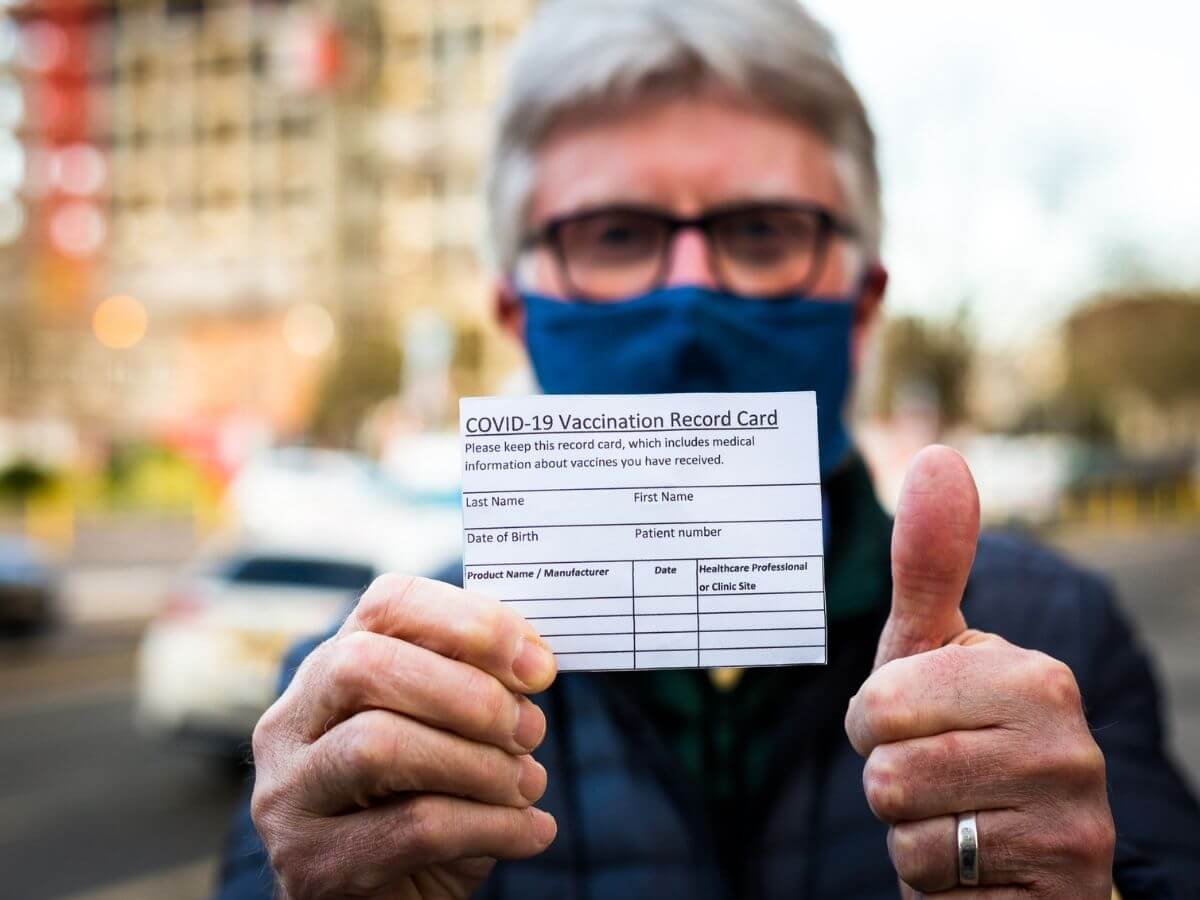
829 226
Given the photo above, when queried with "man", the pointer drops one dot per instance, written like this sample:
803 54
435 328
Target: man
684 197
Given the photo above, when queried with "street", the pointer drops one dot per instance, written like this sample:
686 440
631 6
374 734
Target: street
90 809
85 801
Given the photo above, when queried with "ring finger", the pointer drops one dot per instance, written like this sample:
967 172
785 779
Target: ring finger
925 853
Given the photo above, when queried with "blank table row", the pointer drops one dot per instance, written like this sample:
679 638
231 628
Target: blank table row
684 603
676 659
808 618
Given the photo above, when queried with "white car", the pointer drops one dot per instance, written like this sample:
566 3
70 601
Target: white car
209 663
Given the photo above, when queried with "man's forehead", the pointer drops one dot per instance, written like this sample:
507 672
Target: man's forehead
686 155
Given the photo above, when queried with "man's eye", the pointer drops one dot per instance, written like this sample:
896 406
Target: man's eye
757 229
616 235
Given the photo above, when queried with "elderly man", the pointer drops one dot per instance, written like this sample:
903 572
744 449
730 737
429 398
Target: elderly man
684 197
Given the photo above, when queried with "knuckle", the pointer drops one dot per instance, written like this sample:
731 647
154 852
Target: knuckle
1057 683
1095 839
378 606
261 803
903 849
492 708
495 767
273 743
262 740
269 811
421 831
350 664
481 631
364 747
883 784
885 714
1081 762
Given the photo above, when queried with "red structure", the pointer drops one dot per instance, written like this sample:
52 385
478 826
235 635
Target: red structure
64 171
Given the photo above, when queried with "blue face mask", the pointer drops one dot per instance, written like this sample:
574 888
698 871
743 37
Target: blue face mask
696 340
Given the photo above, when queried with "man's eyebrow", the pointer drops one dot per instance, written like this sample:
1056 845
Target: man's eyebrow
747 201
602 202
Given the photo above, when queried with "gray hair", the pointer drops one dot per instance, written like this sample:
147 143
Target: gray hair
580 56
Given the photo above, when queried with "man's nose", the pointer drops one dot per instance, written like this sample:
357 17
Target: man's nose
690 263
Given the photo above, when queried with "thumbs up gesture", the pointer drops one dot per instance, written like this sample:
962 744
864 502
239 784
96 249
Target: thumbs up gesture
954 721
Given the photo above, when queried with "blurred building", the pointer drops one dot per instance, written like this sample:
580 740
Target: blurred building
256 183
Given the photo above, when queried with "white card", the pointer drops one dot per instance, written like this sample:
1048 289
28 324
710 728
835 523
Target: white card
646 532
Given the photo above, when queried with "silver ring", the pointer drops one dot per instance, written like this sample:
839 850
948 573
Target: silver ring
968 849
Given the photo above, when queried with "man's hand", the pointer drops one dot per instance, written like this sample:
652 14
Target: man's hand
397 762
954 721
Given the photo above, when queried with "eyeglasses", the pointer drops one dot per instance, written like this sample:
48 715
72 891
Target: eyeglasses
758 250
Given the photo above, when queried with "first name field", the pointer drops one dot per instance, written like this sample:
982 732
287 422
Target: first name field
615 524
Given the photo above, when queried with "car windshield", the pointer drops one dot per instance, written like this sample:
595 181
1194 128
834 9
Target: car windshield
300 572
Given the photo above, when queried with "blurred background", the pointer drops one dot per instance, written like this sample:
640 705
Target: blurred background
239 299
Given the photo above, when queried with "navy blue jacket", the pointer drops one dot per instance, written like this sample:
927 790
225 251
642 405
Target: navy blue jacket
630 826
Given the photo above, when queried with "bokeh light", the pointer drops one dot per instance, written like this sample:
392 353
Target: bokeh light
79 169
308 329
45 46
120 322
78 229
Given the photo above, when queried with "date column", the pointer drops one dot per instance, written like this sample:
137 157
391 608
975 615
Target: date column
666 614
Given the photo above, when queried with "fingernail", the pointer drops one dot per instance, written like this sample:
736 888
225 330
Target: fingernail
544 825
532 780
533 665
531 724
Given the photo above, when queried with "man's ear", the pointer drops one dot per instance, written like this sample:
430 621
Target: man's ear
508 309
875 283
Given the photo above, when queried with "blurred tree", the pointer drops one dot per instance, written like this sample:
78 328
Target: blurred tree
364 373
1132 359
931 360
23 478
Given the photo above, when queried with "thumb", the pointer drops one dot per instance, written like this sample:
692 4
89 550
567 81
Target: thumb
933 547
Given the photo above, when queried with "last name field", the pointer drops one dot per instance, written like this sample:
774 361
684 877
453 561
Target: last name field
507 501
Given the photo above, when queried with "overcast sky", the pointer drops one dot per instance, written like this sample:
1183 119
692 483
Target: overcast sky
1033 152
